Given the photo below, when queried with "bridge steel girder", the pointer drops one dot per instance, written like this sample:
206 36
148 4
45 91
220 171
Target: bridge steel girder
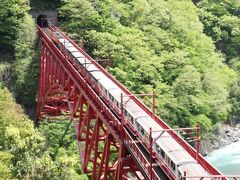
62 91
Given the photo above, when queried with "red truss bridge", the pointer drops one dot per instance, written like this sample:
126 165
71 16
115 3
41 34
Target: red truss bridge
118 136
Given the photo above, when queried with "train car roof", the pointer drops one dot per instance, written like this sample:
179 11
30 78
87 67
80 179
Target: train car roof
107 83
72 49
77 54
147 122
193 169
67 45
173 149
64 41
83 60
98 75
91 67
116 93
139 114
132 107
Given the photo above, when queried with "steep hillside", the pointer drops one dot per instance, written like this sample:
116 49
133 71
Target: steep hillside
158 45
29 153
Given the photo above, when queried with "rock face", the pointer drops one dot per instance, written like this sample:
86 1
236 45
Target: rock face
222 137
5 74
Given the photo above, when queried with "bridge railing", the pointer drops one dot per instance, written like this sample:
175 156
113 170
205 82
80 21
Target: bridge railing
181 141
95 100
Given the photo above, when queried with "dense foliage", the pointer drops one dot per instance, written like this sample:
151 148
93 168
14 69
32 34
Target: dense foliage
27 153
17 43
11 14
26 66
221 22
44 4
157 45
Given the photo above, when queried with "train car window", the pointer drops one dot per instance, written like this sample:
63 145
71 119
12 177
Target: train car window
88 73
180 175
173 165
118 105
104 90
93 80
125 113
115 103
169 161
158 148
147 136
110 96
132 120
138 126
75 59
162 153
142 131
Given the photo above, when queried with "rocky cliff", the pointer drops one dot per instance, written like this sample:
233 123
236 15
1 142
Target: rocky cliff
222 137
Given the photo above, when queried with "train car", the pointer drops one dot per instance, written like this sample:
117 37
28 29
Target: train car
191 170
132 112
177 158
144 123
105 84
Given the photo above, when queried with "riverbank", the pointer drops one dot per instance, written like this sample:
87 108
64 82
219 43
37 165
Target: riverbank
224 135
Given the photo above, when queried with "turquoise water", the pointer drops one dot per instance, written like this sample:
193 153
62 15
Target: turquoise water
226 159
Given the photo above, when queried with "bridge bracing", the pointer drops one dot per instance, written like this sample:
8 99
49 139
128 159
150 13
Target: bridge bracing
108 148
62 89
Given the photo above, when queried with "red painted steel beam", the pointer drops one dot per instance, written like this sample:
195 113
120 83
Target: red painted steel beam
61 88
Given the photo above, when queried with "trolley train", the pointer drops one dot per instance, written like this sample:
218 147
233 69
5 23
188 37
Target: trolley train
166 148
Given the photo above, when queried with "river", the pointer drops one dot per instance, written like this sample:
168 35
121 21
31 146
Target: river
226 159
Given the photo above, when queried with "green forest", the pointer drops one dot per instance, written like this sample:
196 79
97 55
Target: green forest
186 51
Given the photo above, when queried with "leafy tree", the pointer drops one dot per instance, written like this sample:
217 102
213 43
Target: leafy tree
5 161
25 149
11 14
160 45
222 24
25 67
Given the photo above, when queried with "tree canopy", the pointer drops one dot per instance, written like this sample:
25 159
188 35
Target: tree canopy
11 14
222 24
158 45
27 153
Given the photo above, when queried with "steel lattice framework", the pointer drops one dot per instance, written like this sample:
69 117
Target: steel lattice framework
61 88
107 150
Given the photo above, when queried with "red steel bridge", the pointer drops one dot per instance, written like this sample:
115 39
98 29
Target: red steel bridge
108 148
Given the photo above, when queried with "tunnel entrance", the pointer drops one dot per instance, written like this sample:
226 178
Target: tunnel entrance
42 21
